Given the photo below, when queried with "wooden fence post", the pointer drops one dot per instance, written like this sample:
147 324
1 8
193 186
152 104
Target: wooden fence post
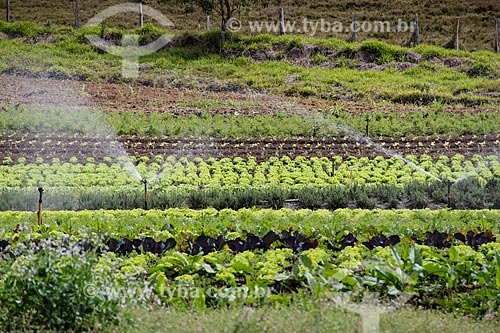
208 23
77 13
141 15
353 27
282 21
497 35
417 31
457 30
7 14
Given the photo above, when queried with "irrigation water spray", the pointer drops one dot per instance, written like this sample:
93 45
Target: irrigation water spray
64 108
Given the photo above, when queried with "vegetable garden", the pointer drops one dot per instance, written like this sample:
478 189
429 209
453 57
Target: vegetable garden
212 199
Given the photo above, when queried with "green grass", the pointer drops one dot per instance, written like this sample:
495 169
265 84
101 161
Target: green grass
303 316
427 82
324 317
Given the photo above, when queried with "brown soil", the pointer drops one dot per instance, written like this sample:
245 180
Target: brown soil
45 91
64 147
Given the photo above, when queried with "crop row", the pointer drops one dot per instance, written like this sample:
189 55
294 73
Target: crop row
290 121
467 194
182 224
244 173
45 147
237 183
287 239
458 277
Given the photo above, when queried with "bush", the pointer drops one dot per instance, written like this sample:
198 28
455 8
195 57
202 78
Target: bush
468 194
311 198
337 197
55 286
275 197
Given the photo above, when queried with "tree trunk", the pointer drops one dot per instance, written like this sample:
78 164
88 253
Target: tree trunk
226 13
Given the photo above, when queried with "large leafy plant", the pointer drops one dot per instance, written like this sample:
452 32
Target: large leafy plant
55 286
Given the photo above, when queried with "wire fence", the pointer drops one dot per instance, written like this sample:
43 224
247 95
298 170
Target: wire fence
476 29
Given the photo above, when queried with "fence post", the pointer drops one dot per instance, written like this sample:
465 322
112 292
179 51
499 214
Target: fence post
77 13
208 23
457 30
141 15
7 15
417 31
282 21
353 27
497 35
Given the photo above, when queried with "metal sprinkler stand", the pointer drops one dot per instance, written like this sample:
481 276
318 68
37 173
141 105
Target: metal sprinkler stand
449 183
145 193
40 190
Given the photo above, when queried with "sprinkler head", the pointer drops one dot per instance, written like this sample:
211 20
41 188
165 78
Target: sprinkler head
40 189
145 182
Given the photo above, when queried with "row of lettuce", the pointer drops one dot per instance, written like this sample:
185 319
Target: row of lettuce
457 278
182 224
238 183
239 172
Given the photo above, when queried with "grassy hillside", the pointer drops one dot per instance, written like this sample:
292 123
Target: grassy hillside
436 16
330 69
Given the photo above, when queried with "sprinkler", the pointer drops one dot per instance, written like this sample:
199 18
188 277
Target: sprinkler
449 183
40 190
145 193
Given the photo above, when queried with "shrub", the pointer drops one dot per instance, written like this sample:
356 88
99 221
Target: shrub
56 286
337 197
311 198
